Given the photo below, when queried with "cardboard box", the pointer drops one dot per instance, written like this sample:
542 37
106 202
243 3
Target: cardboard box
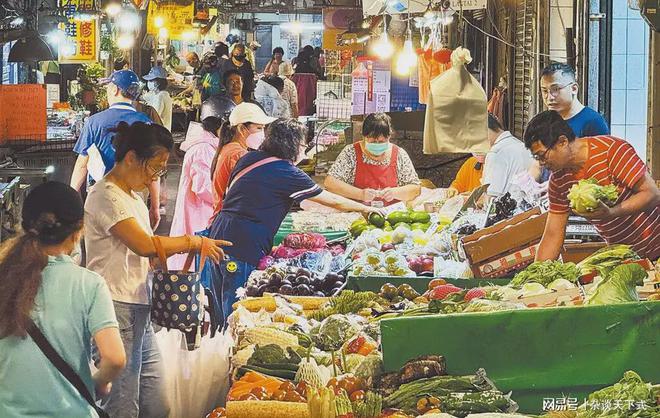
506 246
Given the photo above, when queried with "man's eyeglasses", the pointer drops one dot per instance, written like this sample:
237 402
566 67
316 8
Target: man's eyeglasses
542 156
554 90
156 173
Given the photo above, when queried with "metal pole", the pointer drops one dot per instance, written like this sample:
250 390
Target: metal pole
653 119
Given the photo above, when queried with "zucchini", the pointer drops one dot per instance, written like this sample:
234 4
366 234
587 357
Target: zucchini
276 366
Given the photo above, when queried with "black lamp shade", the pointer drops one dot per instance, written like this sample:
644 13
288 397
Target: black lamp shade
30 49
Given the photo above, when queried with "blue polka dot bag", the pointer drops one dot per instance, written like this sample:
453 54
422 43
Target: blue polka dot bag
177 296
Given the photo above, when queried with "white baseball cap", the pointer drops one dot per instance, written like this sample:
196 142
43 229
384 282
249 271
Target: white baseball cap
249 113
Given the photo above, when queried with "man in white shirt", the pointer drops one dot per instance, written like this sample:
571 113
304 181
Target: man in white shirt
506 158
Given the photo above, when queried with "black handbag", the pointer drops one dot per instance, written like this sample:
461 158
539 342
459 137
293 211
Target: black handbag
63 367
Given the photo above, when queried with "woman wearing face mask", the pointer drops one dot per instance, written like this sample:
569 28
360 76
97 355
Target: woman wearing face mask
374 168
469 176
238 61
194 202
244 130
118 240
69 305
262 187
158 97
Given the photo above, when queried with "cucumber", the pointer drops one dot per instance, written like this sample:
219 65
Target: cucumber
276 366
284 374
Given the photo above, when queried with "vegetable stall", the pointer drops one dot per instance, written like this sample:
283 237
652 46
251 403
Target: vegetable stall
398 317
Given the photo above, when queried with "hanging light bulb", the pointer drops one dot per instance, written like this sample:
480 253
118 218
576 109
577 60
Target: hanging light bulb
125 41
407 59
113 8
383 48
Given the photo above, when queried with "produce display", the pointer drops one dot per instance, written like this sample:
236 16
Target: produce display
323 359
585 196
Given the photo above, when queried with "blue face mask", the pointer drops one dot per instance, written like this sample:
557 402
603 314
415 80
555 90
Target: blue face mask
377 148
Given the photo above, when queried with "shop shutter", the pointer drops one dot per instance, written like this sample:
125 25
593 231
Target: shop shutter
525 75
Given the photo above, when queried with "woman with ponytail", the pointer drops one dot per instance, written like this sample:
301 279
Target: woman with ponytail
243 131
69 304
194 201
118 239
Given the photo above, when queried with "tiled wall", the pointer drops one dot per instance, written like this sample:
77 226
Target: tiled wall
630 57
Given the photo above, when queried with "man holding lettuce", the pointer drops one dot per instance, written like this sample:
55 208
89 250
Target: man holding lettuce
600 178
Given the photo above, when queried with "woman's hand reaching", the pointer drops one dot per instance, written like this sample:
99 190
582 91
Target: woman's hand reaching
212 247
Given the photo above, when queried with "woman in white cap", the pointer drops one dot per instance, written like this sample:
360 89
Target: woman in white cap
290 92
243 131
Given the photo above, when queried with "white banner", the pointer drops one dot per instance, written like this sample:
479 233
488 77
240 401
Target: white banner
392 7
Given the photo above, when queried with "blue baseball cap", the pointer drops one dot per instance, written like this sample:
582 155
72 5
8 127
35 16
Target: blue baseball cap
156 72
124 79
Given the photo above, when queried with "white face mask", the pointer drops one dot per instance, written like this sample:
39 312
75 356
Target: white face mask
151 85
255 140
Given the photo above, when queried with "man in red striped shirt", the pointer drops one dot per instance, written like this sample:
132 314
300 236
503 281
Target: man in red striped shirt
634 219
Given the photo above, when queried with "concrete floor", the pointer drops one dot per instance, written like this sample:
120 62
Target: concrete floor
172 186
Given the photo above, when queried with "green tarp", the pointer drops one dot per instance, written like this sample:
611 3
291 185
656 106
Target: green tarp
420 284
536 353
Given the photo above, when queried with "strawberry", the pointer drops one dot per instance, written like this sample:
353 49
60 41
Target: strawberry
442 291
476 293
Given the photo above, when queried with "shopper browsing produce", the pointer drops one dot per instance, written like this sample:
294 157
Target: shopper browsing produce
245 129
290 91
263 186
69 305
118 240
507 157
273 66
374 168
601 179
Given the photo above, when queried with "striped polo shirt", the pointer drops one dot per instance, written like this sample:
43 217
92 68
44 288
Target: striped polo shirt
613 161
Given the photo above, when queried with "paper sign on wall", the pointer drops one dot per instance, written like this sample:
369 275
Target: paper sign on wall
22 112
176 18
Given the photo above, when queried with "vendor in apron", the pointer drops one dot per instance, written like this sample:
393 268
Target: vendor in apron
374 169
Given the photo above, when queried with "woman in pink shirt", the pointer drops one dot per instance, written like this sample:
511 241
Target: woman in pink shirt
194 201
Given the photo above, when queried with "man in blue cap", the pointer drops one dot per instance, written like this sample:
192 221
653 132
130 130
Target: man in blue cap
96 154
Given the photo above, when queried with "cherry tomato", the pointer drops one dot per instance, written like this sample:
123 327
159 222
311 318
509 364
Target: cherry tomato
287 386
301 387
279 395
356 396
248 397
260 393
436 282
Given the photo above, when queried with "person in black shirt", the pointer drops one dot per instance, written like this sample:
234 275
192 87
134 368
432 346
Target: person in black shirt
239 62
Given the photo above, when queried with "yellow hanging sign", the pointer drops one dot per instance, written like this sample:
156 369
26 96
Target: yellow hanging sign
175 19
82 35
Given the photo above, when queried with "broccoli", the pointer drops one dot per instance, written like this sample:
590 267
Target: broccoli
273 354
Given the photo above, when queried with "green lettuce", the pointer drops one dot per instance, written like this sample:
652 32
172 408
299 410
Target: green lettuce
546 272
619 285
631 397
585 195
606 259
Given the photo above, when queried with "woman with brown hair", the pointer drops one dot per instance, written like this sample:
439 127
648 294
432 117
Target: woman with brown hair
41 287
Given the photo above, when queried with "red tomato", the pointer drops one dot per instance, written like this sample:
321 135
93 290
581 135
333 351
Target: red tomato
436 282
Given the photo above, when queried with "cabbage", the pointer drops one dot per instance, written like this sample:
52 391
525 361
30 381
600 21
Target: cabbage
619 285
561 284
585 195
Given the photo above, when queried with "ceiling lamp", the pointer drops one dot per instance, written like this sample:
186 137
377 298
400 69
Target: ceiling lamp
30 49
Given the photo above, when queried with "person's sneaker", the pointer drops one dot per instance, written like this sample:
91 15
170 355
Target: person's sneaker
162 211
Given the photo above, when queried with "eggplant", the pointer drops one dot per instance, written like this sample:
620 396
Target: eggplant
261 290
302 280
286 289
252 291
302 290
303 272
263 282
275 280
319 294
285 283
